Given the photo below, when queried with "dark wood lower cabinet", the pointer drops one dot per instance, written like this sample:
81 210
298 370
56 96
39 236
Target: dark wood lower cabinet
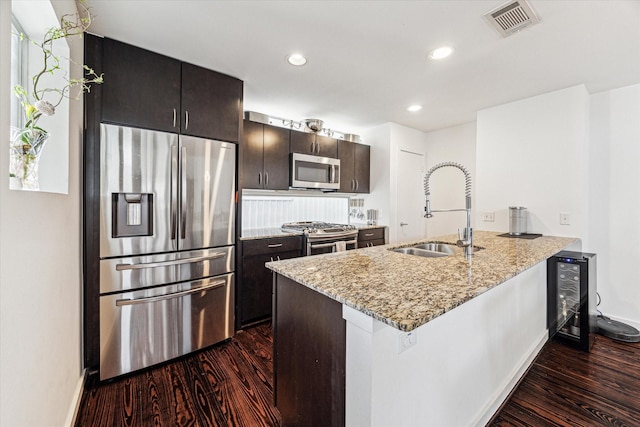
255 286
371 237
309 356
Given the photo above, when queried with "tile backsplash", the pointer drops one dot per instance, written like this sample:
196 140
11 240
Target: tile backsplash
273 211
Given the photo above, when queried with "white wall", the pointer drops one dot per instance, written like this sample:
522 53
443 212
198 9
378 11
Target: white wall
453 144
40 276
534 153
379 138
614 200
386 142
568 151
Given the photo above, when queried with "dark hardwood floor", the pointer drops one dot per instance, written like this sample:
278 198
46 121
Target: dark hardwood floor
231 384
567 387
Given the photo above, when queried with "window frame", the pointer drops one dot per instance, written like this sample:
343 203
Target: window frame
19 69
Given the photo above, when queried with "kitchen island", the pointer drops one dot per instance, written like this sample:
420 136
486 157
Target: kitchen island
372 337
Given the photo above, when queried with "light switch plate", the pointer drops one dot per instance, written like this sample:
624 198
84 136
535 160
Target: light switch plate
489 216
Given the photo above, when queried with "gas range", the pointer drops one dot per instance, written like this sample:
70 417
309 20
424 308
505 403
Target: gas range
323 237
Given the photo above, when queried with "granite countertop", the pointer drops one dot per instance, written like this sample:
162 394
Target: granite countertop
266 233
407 291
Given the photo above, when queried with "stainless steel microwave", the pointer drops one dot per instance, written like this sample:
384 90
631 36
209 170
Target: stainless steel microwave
321 173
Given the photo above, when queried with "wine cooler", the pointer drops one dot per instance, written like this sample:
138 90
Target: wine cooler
571 298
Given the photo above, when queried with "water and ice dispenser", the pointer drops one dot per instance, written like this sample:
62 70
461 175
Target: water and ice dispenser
132 214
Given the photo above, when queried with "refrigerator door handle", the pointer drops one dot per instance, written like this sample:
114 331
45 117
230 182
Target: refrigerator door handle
183 190
128 301
174 192
215 255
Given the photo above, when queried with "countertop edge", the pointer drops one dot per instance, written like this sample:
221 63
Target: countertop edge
277 267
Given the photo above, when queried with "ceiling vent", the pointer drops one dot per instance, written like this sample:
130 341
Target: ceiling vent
512 17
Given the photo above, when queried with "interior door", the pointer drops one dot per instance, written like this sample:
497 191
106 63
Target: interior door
208 187
410 200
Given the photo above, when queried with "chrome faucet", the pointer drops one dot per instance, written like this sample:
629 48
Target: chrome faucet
465 236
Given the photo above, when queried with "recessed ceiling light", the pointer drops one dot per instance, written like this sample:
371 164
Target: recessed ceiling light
441 52
414 108
296 59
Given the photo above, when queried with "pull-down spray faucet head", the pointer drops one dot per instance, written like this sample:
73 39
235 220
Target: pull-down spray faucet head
465 238
427 208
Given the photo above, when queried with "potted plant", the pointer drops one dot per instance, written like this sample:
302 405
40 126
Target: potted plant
39 100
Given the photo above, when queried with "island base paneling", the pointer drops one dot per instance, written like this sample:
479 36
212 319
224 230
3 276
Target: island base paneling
309 356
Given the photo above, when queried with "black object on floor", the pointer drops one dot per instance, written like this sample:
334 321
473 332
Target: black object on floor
529 236
617 330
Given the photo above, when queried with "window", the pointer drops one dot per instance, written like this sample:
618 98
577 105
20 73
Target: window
18 71
34 18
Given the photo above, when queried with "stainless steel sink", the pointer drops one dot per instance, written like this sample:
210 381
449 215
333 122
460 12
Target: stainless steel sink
430 250
421 252
436 247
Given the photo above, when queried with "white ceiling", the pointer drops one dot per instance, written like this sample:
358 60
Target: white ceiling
367 59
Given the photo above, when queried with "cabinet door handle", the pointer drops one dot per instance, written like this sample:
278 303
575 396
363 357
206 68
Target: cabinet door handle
278 257
357 184
274 245
353 185
266 178
186 120
142 266
127 301
260 178
175 116
368 234
313 147
318 148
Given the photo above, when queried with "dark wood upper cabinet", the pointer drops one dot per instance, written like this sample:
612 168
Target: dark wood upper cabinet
302 142
354 167
326 147
276 158
252 146
141 88
152 91
346 154
362 166
265 156
316 145
211 103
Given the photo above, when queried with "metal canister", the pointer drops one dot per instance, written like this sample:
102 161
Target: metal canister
517 220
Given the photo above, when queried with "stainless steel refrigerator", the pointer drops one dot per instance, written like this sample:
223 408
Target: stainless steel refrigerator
167 231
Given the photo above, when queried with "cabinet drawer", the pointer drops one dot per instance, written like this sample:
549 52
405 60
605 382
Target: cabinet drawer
271 245
370 234
369 243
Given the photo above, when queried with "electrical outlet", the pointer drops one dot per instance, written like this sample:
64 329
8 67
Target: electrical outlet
489 217
407 340
565 218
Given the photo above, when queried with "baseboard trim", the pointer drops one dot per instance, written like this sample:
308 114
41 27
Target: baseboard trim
75 402
494 404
